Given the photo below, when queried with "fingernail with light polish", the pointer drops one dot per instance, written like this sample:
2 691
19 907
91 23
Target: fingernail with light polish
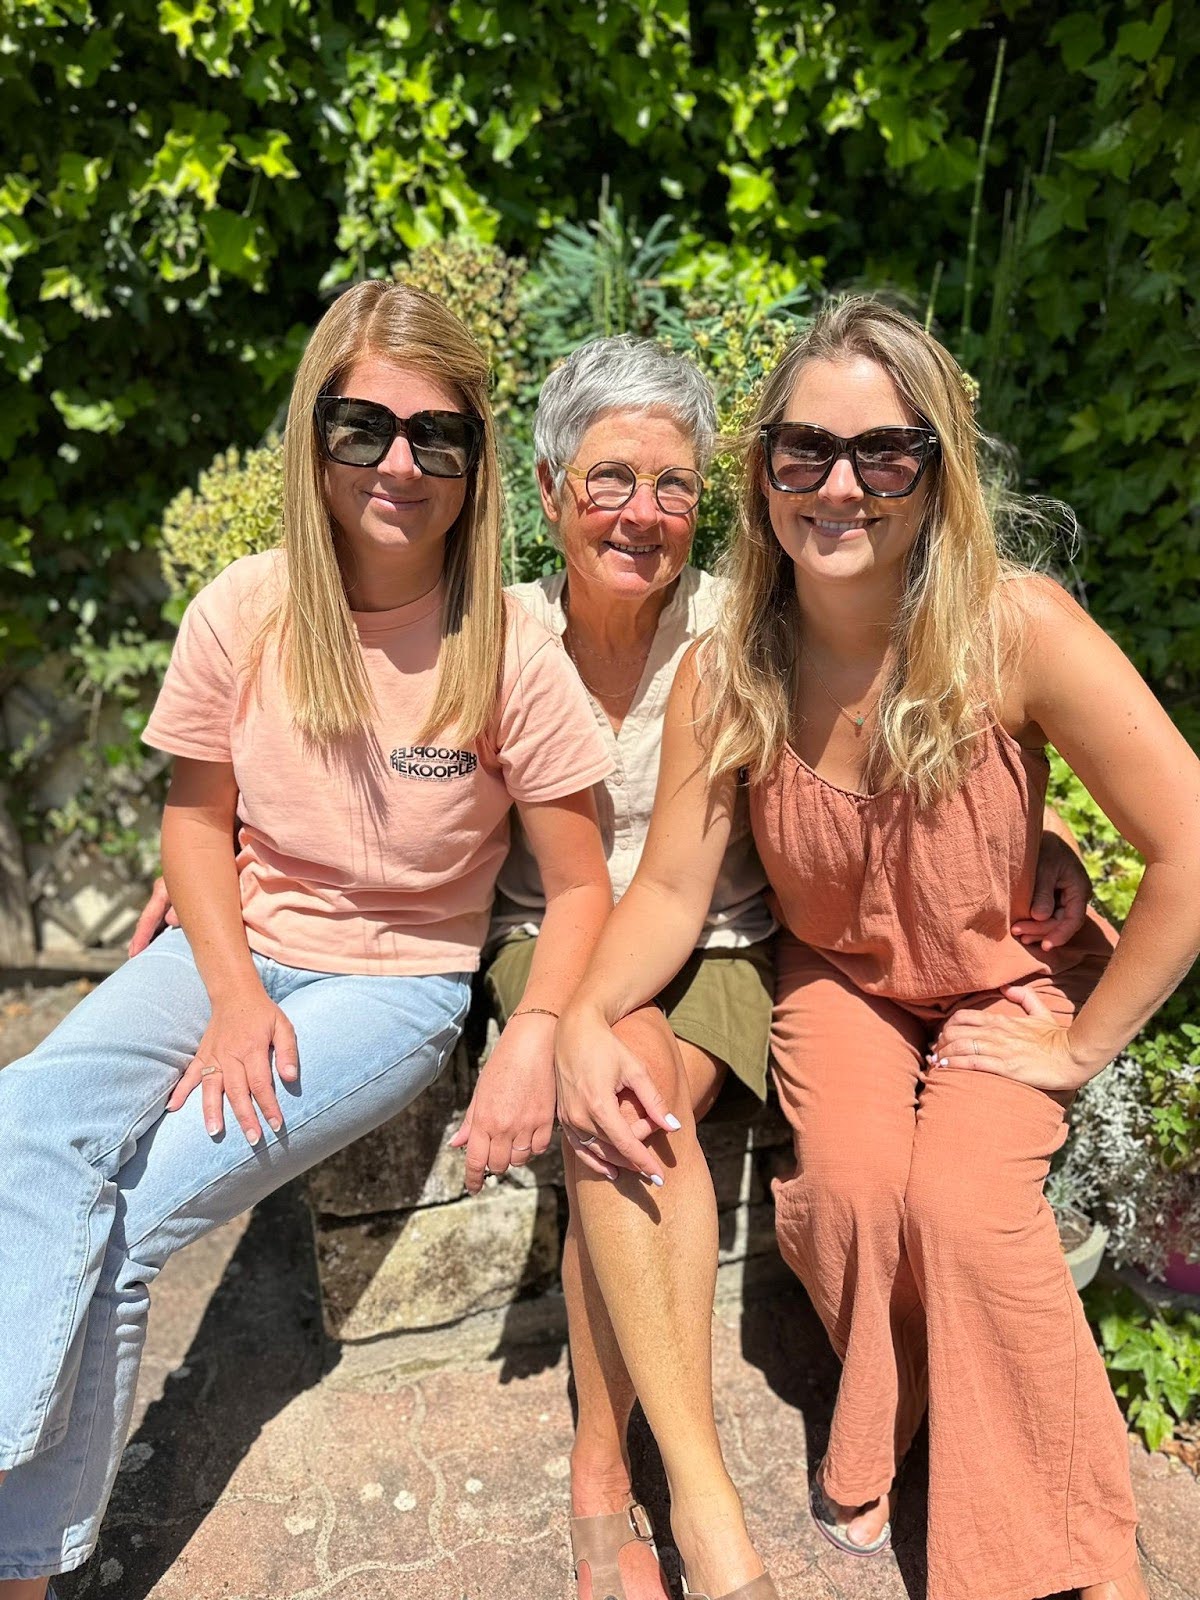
655 1179
673 1123
212 1128
276 1123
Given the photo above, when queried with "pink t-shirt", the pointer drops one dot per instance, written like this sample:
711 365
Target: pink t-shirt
382 858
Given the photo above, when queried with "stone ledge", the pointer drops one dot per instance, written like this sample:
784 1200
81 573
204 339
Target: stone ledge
406 1259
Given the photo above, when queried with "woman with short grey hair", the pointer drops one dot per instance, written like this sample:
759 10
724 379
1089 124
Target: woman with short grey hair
623 433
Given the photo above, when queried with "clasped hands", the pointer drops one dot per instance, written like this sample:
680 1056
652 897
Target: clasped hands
605 1120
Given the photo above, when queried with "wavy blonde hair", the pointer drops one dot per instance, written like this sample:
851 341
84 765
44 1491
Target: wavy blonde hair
946 641
323 671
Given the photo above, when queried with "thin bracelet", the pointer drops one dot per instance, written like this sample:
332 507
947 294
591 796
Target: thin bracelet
538 1011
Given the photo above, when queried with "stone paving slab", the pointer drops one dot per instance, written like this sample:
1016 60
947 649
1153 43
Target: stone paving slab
267 1465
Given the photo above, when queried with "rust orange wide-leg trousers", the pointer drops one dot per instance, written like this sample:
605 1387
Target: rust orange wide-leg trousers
917 1223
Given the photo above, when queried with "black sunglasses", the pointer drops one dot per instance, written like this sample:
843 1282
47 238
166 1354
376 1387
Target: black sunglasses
887 462
359 433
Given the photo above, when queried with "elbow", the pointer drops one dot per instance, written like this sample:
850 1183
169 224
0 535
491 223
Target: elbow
589 885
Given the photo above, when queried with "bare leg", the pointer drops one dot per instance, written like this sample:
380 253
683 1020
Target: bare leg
600 1477
662 1318
1129 1586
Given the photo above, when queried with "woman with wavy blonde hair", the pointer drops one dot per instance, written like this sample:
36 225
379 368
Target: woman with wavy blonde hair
886 682
365 709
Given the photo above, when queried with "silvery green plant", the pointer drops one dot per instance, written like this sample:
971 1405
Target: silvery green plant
1110 1168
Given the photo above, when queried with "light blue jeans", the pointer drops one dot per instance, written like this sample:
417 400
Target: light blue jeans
98 1187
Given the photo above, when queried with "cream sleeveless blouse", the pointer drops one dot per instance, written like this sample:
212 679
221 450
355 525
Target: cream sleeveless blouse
738 915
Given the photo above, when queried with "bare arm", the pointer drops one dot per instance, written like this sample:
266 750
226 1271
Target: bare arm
511 1115
647 939
1145 777
246 1028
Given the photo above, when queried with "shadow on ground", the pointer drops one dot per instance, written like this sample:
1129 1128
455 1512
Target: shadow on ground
251 1355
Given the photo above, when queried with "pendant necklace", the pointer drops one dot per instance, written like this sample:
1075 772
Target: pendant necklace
856 717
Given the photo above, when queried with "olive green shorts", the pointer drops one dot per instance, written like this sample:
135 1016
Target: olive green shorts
720 1000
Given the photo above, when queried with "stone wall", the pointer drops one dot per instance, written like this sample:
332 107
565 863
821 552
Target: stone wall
410 1263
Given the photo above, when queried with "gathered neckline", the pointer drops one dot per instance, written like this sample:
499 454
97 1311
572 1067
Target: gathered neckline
859 795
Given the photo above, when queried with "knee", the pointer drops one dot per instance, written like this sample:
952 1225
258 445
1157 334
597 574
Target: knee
841 1176
648 1034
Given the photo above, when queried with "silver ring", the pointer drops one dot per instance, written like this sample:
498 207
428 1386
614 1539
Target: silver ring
522 1147
207 1072
591 1139
975 1046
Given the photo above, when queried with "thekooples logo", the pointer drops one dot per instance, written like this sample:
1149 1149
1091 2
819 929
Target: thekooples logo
437 766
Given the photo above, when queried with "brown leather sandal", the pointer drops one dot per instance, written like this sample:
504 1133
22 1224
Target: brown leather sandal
600 1540
760 1588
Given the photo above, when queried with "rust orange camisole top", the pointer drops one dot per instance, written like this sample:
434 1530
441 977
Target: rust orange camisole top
913 903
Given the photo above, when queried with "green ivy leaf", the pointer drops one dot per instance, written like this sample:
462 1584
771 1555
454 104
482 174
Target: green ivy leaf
1143 40
1080 37
267 153
233 243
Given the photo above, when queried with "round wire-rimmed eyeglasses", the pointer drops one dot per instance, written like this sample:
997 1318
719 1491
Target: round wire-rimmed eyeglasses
613 484
887 462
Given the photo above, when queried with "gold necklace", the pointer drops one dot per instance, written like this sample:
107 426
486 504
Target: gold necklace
856 717
575 645
606 694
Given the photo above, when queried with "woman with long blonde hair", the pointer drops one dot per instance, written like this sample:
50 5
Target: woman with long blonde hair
366 707
885 683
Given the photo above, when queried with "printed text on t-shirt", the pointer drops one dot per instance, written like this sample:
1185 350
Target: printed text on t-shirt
425 761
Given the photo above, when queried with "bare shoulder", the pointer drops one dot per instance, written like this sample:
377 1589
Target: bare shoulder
1037 620
1030 602
691 687
1045 638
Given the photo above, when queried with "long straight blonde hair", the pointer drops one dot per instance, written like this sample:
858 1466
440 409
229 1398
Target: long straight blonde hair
323 671
946 642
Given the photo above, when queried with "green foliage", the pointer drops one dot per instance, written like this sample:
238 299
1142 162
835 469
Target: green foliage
1168 1054
1153 1360
236 510
1114 867
185 180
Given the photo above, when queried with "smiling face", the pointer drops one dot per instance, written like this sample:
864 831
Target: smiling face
640 548
393 507
839 532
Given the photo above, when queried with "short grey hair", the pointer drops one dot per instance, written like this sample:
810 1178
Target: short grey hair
621 373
